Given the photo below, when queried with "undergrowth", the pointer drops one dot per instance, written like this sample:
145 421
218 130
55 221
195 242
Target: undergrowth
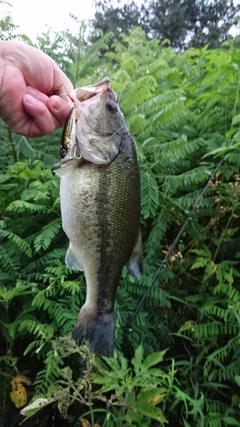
180 362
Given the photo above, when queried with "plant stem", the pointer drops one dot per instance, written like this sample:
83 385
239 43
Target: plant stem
12 144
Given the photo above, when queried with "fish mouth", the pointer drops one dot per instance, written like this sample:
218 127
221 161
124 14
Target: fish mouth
77 137
86 92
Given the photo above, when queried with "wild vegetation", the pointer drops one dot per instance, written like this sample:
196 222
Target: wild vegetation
184 23
179 363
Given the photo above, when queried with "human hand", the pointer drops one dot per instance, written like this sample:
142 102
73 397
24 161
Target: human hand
28 80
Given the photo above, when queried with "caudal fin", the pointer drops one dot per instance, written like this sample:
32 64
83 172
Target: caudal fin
98 331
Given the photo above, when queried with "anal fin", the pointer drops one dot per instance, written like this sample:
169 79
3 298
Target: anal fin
134 265
71 260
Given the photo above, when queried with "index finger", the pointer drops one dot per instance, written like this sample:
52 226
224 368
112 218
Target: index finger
61 83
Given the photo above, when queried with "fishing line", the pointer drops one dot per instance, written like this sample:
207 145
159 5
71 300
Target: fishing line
172 247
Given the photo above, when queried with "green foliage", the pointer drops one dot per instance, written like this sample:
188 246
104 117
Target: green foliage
185 23
137 390
182 110
193 23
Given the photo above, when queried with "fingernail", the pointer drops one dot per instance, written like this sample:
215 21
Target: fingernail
29 99
57 103
31 91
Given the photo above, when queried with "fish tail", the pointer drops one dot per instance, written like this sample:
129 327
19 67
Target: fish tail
99 331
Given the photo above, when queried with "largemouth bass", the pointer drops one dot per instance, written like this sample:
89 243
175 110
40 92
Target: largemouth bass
100 207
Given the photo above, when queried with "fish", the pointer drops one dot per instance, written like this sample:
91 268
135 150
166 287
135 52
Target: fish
100 207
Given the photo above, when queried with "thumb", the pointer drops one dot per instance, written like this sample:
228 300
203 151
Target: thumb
59 108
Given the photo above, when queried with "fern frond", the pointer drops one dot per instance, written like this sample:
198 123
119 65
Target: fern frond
197 175
170 113
9 264
152 105
140 90
49 231
215 329
218 357
188 200
149 194
102 42
158 230
23 146
21 206
39 263
228 372
227 288
215 310
181 147
39 330
21 244
50 373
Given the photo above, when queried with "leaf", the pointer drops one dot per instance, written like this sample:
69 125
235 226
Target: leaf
202 252
21 206
236 119
48 233
22 245
230 421
84 422
149 194
35 406
154 359
137 359
18 394
201 262
170 112
188 325
209 270
145 404
237 379
152 412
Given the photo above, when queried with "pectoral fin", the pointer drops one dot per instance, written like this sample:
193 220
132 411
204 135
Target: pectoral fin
134 265
66 167
71 261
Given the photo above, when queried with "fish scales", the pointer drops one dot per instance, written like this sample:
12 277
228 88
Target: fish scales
100 205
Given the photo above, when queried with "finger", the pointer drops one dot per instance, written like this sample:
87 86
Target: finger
56 105
37 94
59 108
61 82
41 121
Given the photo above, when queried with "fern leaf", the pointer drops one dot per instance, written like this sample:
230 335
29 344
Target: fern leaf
40 263
170 113
152 105
149 194
195 176
23 146
9 264
217 359
159 228
49 231
21 244
50 373
21 206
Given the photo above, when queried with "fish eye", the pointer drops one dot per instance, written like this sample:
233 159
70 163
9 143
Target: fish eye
63 152
111 106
